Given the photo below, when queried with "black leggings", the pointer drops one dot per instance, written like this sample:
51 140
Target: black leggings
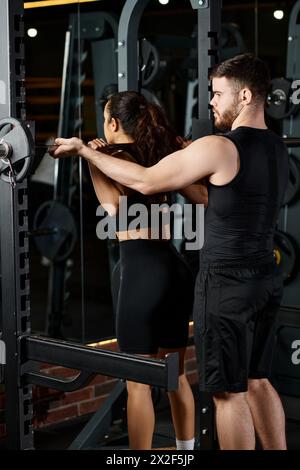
155 297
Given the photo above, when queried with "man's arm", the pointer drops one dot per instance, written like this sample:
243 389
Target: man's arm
202 158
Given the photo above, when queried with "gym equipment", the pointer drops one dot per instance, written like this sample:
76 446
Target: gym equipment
286 362
289 216
16 150
232 42
279 100
285 255
294 181
54 231
149 62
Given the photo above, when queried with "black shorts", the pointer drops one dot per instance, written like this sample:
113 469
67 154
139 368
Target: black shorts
155 297
235 315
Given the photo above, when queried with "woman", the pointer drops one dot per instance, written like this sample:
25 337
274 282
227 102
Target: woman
156 287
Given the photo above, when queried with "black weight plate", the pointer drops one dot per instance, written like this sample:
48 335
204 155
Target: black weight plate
279 105
294 181
56 217
286 255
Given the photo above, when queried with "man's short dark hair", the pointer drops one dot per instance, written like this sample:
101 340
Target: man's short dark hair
246 70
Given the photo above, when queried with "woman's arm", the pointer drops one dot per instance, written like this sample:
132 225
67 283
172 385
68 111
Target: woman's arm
106 191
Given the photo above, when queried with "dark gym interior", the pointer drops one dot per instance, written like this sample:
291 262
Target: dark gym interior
70 68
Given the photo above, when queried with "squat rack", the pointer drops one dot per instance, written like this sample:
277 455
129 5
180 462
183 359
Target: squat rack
21 353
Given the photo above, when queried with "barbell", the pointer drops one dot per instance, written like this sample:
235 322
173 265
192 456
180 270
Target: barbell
16 150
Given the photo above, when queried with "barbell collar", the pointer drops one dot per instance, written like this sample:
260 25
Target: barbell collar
5 152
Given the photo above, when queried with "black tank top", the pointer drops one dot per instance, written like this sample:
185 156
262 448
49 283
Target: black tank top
241 216
129 210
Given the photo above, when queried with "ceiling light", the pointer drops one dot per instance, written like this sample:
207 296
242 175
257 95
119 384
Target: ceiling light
51 3
278 14
163 2
32 32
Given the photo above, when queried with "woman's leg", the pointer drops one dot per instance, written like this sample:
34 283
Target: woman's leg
182 403
140 415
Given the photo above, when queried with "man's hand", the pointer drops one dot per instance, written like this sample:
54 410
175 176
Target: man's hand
67 147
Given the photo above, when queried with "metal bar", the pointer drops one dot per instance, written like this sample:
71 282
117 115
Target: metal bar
128 44
292 142
99 424
58 383
124 366
209 30
13 229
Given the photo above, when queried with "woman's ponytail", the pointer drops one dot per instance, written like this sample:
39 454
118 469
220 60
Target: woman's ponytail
146 123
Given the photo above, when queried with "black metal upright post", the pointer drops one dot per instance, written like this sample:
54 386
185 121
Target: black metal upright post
13 236
209 31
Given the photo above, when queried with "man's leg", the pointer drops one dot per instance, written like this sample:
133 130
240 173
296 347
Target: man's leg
268 414
234 422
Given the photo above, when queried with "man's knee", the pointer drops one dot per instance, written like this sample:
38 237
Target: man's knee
226 397
255 385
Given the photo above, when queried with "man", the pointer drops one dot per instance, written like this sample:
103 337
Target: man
237 294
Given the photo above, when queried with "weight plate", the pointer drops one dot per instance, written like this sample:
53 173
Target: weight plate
55 232
294 181
149 62
18 136
285 255
279 105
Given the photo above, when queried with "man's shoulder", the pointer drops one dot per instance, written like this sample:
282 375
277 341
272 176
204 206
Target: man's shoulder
216 143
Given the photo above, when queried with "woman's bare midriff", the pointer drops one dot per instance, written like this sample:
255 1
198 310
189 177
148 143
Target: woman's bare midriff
144 234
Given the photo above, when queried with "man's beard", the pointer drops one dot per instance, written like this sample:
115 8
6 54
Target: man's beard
224 123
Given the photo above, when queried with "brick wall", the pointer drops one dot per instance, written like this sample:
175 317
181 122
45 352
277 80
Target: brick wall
52 406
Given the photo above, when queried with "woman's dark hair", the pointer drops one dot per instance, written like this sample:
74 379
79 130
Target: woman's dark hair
146 123
246 70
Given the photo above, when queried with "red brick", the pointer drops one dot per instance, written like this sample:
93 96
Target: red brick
99 379
91 406
105 388
74 397
46 393
61 414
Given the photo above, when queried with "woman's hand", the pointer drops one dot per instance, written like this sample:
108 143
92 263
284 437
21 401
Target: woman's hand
183 141
97 144
66 147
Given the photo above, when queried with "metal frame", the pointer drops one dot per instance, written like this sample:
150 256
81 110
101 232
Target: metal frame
13 236
209 27
289 216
